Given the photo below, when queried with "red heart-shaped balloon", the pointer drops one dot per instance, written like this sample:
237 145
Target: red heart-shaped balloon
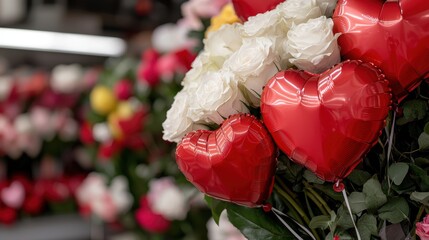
394 35
248 8
327 122
235 163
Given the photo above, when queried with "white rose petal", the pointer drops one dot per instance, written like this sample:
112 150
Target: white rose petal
299 11
263 24
254 64
67 78
177 123
313 45
101 132
223 43
216 98
224 231
327 7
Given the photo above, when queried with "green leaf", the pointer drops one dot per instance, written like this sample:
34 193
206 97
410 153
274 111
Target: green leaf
359 177
421 197
312 178
423 140
397 172
322 222
216 206
255 224
367 226
343 218
395 211
415 109
374 196
357 202
426 129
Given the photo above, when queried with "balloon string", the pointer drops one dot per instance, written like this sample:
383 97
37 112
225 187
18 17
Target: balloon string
389 148
278 214
350 212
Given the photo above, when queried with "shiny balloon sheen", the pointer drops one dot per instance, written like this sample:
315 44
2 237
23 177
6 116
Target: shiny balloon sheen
393 34
248 8
327 122
235 163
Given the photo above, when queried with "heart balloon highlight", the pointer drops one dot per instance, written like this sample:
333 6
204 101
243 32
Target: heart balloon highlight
393 34
248 8
327 122
235 163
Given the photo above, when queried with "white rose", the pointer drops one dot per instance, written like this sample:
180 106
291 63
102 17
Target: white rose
223 43
327 6
298 11
254 64
101 132
313 45
67 78
216 98
201 65
177 123
263 24
6 84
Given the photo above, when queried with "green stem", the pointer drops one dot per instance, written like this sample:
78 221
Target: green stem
316 201
293 203
318 197
285 188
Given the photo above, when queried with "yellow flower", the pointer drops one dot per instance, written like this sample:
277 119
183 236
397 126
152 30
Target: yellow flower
102 100
124 111
226 16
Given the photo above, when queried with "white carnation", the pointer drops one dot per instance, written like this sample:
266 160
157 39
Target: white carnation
313 45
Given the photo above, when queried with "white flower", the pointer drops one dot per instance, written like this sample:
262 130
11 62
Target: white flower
167 199
67 78
327 6
225 230
42 121
216 98
223 43
254 64
299 11
23 124
263 24
101 132
6 84
162 35
313 45
120 194
177 123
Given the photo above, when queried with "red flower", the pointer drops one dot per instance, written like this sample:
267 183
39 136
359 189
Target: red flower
33 204
185 57
85 134
150 221
147 70
123 89
107 150
7 215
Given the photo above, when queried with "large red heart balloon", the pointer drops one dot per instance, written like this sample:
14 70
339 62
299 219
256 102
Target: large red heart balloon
235 163
248 8
394 35
327 122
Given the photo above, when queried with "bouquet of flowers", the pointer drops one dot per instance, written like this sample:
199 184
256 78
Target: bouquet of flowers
338 174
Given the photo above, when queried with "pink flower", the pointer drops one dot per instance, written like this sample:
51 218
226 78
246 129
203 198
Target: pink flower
149 220
123 89
194 10
147 71
422 228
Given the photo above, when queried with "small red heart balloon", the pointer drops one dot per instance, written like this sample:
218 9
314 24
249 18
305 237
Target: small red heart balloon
248 8
235 163
327 122
393 34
